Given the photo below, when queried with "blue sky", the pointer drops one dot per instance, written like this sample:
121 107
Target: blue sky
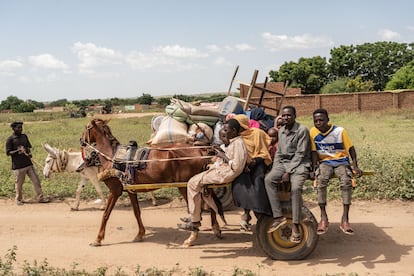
80 49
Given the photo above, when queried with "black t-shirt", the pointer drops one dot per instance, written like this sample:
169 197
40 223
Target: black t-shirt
19 160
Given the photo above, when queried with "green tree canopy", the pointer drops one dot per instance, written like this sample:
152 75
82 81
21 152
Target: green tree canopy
11 102
145 99
343 85
309 74
61 102
375 62
403 78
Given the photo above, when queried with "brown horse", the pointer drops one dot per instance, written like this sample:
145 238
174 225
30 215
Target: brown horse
174 165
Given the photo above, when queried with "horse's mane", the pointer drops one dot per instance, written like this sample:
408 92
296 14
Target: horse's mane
100 123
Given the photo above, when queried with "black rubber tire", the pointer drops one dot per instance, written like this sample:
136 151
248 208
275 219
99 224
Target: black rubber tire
225 196
277 245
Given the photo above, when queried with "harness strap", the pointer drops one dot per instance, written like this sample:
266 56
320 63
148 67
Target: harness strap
154 160
61 160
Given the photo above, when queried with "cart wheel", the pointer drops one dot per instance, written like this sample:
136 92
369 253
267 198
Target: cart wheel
225 196
277 244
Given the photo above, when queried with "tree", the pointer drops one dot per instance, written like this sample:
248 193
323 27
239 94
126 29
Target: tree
61 102
346 85
107 108
375 62
12 102
358 85
145 99
403 78
164 101
24 107
337 86
310 74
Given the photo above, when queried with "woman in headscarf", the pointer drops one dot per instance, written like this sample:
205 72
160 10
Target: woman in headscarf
263 120
248 189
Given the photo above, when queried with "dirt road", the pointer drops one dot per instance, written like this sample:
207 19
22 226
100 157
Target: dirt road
383 243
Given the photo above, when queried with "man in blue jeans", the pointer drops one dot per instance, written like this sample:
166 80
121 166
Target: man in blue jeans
292 163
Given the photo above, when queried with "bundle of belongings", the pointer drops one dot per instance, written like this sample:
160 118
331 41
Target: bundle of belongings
199 124
194 123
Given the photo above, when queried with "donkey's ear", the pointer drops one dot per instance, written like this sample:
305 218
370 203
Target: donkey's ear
49 150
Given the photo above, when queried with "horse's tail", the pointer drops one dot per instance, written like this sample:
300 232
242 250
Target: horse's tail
219 206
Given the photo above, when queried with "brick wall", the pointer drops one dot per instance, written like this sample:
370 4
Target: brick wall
334 103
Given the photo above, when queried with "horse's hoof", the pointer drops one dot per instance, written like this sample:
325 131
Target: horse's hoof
217 231
154 203
138 239
95 244
191 240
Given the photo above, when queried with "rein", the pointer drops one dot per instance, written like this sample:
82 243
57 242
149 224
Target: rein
111 159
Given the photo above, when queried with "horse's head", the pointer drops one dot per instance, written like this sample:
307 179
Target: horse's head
95 128
50 160
98 136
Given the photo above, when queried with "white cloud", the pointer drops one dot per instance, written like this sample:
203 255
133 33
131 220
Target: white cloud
179 52
213 48
244 47
228 48
241 47
47 61
91 56
10 64
387 34
165 59
142 61
222 61
8 67
305 41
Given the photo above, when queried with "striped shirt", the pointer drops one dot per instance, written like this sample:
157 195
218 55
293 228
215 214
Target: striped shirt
332 146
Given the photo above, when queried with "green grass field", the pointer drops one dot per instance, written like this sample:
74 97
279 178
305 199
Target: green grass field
383 141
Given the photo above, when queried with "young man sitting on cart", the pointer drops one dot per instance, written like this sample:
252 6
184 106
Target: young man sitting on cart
292 163
331 152
234 161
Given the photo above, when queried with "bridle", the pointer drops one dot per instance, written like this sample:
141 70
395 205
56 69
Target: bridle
59 163
87 142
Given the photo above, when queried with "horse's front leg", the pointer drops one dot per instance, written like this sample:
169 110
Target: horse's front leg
183 193
215 226
137 212
115 191
215 204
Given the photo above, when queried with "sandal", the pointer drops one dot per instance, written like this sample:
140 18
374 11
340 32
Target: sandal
277 223
245 226
186 219
322 227
295 237
346 228
190 226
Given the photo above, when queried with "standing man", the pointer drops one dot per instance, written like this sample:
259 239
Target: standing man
18 147
292 163
331 149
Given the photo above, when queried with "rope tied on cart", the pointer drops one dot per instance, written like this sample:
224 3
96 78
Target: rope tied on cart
115 160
